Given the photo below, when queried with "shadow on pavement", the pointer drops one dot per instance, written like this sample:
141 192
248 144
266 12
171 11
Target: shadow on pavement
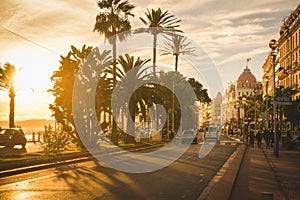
6 152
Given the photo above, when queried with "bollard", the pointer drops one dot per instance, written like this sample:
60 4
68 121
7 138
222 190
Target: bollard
33 138
39 136
266 196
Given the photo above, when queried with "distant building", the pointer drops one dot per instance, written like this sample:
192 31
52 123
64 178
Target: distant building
204 115
216 117
230 99
246 85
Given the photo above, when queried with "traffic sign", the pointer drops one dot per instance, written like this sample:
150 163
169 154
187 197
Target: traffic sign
283 100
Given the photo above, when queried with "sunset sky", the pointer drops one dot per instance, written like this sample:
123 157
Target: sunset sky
230 31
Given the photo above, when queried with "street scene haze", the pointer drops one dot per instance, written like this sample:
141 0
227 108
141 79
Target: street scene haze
162 99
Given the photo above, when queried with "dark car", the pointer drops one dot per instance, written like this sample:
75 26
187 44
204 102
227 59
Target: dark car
294 144
10 137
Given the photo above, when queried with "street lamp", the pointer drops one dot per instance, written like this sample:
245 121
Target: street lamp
244 118
273 44
267 98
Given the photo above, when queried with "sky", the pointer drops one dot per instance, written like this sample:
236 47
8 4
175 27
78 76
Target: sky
229 31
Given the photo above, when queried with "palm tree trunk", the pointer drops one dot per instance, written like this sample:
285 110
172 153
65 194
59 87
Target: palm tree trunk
173 108
130 130
154 53
114 134
12 108
176 62
173 96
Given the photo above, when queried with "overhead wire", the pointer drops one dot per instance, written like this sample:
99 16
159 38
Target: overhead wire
28 40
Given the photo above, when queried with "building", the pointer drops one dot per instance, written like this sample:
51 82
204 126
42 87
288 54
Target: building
288 72
246 83
216 114
230 99
235 103
204 117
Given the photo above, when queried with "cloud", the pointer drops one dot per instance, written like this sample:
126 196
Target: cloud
229 31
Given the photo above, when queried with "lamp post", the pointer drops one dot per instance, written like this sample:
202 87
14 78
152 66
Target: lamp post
273 44
244 119
267 99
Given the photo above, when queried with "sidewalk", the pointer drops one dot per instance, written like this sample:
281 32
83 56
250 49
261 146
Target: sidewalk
286 169
262 175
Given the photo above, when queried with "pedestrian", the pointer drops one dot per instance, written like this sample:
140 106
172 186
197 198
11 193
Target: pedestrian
259 137
172 135
252 137
271 138
266 137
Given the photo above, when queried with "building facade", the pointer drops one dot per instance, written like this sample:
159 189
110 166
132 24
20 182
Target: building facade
288 72
216 110
236 93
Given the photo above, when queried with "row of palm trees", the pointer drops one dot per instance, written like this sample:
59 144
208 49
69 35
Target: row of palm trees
113 22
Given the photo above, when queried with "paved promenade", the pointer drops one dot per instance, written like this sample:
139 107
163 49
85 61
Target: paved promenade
264 176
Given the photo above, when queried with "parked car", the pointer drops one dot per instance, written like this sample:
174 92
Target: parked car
189 136
294 144
10 137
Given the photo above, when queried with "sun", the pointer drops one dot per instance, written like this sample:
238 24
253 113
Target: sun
34 68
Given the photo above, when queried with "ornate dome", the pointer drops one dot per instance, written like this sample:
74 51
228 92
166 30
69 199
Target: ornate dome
246 79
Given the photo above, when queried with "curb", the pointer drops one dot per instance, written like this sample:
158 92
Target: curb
220 187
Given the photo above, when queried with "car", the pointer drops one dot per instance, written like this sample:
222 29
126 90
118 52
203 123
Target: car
189 136
211 132
10 137
294 144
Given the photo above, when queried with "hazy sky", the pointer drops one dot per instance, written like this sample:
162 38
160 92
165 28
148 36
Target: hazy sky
230 31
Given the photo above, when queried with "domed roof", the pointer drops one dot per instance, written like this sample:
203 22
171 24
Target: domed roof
246 79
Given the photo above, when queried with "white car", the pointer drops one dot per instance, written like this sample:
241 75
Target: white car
212 132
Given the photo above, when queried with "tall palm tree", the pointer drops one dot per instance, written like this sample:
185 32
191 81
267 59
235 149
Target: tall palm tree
113 20
7 74
175 46
141 95
159 22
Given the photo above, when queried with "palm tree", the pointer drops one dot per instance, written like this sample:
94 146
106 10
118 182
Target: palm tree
175 46
159 22
7 74
113 20
140 96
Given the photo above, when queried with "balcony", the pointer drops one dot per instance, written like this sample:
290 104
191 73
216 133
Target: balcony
295 86
296 65
281 74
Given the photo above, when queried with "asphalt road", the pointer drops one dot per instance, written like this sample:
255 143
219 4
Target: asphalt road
184 179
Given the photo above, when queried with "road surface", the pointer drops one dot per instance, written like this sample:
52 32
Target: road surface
184 179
